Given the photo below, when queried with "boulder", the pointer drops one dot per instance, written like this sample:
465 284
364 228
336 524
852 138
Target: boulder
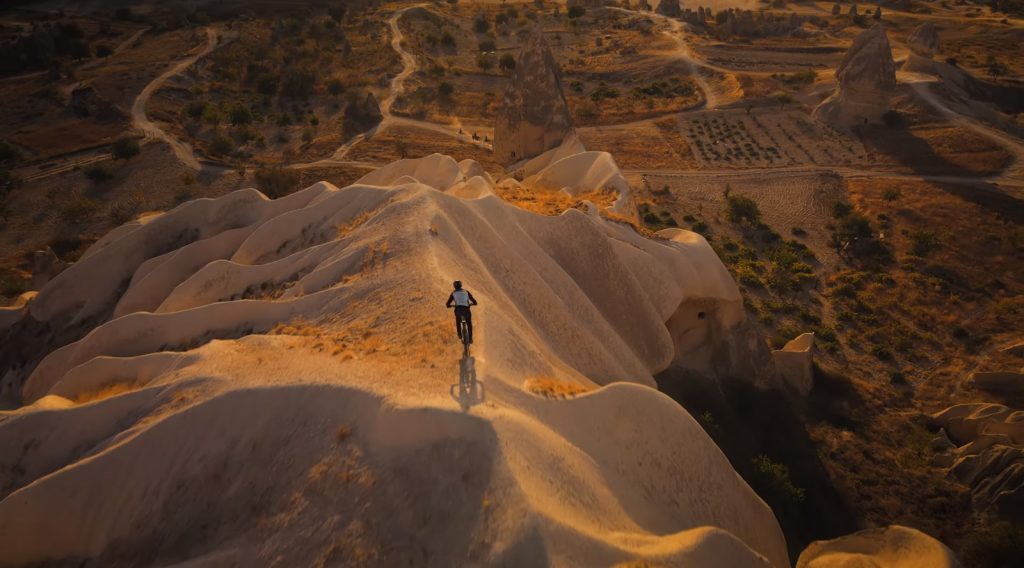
894 546
533 117
45 266
866 80
924 40
795 363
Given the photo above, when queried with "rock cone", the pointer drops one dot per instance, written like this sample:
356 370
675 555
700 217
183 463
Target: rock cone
867 79
534 116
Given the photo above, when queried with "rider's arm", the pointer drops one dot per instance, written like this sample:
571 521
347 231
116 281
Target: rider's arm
451 300
472 300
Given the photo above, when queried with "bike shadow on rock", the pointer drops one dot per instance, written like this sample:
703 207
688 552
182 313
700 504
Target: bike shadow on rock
468 392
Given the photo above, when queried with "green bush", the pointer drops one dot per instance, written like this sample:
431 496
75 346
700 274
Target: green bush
125 148
923 242
774 477
239 114
739 208
221 145
277 181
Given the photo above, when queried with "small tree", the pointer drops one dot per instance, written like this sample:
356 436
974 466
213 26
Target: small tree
445 89
240 115
740 208
125 148
335 86
221 145
484 62
577 11
507 62
276 181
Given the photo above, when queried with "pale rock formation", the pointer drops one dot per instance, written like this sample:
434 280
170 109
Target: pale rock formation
795 362
924 40
894 546
986 454
45 265
1006 382
866 80
923 43
279 370
534 116
669 8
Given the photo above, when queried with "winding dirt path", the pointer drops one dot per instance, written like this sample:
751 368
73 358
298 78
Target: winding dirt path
409 66
150 129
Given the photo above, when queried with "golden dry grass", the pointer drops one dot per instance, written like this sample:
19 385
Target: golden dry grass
552 203
105 391
550 387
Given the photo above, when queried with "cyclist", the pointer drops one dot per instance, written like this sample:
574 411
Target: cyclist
462 300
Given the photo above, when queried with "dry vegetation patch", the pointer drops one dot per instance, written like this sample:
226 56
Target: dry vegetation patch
550 387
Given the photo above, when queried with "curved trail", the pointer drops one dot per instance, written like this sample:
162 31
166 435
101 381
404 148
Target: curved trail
397 87
150 129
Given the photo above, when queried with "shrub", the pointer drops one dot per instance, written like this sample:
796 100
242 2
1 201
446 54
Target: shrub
195 109
740 208
104 51
239 114
923 242
507 62
78 209
487 45
98 174
221 145
445 89
798 232
484 62
481 25
776 477
891 194
276 181
841 209
125 148
335 86
577 11
120 213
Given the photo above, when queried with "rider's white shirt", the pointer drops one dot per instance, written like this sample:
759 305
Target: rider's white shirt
461 297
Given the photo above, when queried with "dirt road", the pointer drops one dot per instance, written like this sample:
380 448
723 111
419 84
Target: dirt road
150 129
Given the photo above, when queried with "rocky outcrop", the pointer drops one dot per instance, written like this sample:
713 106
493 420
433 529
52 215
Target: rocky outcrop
923 43
534 116
866 80
894 546
669 8
795 362
985 451
924 40
45 265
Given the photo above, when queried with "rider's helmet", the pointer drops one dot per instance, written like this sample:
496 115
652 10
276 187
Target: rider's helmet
457 284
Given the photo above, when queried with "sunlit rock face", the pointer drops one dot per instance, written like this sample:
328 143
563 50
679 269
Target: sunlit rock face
866 80
924 40
534 116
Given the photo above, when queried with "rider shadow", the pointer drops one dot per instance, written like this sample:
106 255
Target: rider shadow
469 392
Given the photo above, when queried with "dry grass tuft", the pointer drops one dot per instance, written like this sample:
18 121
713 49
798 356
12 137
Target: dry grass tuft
105 391
550 387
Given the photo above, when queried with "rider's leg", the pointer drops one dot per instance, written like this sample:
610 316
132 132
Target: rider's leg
469 325
458 328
